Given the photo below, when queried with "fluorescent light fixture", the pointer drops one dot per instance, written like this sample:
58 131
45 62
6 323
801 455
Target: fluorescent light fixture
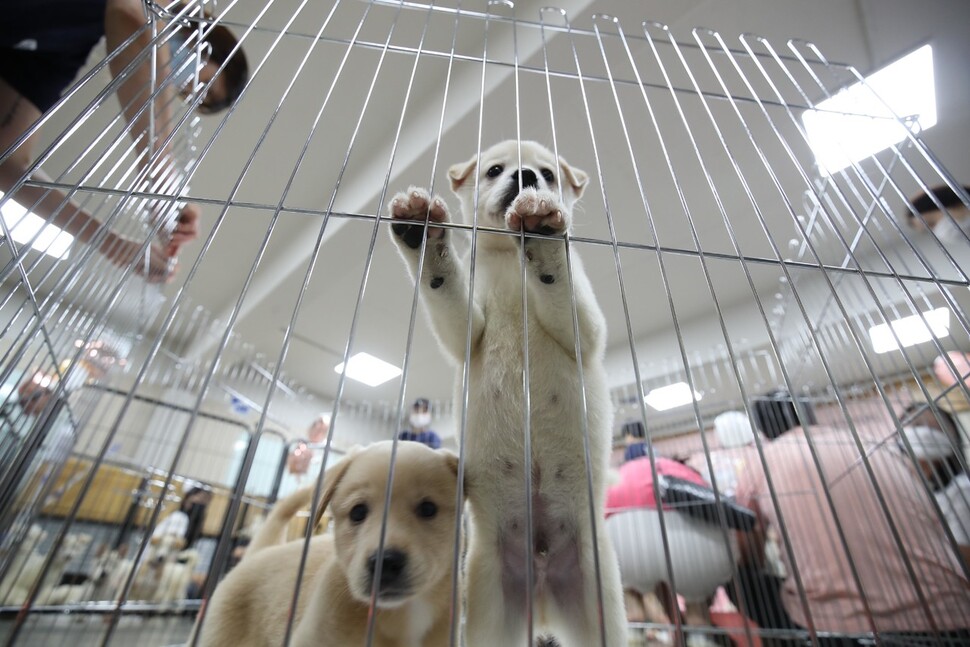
24 225
368 369
910 330
858 121
671 396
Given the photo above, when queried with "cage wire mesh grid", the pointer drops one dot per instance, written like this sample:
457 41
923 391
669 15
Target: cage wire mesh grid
724 257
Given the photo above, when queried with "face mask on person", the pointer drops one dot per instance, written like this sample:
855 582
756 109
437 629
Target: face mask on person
927 443
420 420
950 230
183 60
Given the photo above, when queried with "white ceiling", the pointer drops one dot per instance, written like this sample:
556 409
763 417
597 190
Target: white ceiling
260 166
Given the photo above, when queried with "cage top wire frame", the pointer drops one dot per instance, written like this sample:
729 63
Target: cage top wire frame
701 90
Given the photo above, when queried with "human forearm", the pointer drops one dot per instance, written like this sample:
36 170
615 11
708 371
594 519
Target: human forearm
54 206
50 204
125 19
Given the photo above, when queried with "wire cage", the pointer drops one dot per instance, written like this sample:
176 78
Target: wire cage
749 283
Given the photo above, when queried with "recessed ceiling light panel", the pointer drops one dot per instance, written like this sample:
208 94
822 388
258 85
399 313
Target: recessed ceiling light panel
671 396
860 121
368 369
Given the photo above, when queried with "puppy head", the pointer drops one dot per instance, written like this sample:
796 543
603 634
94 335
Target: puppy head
166 548
35 535
188 557
421 517
500 170
75 544
106 562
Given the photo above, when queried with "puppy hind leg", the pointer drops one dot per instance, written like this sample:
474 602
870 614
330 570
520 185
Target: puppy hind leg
580 627
614 611
491 619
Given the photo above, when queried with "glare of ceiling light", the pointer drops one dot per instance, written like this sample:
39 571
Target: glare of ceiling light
859 121
24 225
910 330
368 369
671 396
42 379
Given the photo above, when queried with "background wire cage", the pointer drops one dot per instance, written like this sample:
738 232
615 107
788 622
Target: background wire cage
724 254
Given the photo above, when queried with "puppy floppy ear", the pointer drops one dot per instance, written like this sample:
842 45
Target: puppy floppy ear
331 479
452 460
459 173
576 178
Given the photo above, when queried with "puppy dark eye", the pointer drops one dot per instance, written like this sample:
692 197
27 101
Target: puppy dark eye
548 175
427 509
495 171
358 513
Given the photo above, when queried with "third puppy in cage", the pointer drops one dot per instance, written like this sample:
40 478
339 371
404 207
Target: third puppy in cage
522 187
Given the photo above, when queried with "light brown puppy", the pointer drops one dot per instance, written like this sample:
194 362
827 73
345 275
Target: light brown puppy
413 609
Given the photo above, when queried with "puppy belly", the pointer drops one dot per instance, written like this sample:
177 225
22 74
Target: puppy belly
555 556
497 469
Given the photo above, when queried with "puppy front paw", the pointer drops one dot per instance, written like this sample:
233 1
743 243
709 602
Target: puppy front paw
538 212
410 210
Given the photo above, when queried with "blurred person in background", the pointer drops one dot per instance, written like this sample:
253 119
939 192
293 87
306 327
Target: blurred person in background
951 226
935 439
735 448
634 440
302 455
43 46
17 416
186 523
949 377
853 537
305 459
419 429
36 425
700 558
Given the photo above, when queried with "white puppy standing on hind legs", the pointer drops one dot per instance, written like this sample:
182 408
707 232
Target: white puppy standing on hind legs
564 588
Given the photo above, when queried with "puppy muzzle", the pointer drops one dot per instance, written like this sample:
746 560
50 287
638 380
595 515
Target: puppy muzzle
395 582
529 180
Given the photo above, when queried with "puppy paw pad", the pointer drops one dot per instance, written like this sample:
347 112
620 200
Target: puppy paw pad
536 213
416 206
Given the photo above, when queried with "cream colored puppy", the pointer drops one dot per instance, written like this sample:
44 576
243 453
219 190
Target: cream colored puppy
524 187
175 576
72 546
251 604
23 567
154 581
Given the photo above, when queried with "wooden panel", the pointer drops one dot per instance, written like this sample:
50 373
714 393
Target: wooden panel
109 497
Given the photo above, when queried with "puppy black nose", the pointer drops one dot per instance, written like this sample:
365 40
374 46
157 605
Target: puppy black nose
528 179
392 565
